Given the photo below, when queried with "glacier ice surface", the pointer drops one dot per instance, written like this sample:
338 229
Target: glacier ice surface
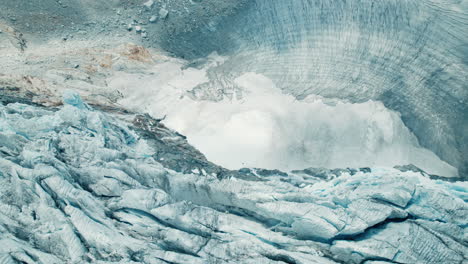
79 185
389 50
260 126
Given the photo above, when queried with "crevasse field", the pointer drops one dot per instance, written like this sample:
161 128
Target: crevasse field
240 131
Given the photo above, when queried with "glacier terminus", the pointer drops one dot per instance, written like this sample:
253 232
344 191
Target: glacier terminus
234 131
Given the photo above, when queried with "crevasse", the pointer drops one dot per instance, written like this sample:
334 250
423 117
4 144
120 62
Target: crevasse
80 185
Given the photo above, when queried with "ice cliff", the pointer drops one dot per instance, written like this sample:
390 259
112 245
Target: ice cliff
212 131
79 185
409 55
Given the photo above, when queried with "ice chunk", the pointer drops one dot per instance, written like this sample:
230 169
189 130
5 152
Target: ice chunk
163 13
149 3
73 98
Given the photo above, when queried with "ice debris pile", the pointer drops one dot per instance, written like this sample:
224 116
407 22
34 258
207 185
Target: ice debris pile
79 185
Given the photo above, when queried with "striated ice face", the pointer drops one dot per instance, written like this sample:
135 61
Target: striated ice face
251 83
410 55
258 125
82 186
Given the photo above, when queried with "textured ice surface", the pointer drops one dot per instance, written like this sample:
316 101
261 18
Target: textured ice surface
410 55
254 125
259 126
389 51
354 51
78 185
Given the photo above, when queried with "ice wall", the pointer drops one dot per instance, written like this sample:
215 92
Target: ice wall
411 55
262 127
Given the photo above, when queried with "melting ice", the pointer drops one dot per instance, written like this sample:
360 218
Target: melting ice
263 127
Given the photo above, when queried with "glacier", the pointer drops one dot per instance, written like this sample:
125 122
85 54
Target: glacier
233 131
350 51
410 55
259 126
80 185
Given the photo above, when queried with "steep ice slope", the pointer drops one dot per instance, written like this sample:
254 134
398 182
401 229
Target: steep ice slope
259 126
79 185
411 55
255 126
